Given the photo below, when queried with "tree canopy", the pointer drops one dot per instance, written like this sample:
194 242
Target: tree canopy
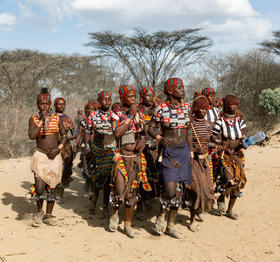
151 57
273 46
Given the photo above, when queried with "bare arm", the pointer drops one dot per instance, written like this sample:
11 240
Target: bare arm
34 131
120 130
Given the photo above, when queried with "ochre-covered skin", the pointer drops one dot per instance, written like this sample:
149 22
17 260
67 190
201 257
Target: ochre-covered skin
67 152
49 133
173 134
127 117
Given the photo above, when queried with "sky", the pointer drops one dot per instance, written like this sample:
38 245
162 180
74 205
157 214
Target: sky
62 26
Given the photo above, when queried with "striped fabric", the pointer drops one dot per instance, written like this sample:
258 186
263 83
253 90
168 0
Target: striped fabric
104 160
203 131
212 115
229 129
53 125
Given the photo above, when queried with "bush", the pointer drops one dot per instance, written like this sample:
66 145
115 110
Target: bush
270 100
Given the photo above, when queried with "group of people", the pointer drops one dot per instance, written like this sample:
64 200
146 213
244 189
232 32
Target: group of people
185 156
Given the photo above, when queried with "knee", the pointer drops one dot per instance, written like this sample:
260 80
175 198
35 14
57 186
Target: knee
169 194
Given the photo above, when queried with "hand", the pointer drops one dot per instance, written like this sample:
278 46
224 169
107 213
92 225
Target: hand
191 154
87 148
191 162
166 141
74 148
141 144
44 113
52 153
133 110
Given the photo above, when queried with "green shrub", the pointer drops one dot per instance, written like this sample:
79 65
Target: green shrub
270 101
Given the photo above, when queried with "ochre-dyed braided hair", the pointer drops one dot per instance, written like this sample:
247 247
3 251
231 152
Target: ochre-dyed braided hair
200 102
57 99
228 101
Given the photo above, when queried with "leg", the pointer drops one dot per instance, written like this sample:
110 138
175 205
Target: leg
49 219
119 190
231 204
129 211
221 203
106 196
169 191
94 198
40 189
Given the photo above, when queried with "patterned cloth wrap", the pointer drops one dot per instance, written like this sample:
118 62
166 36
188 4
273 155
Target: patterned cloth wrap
180 172
104 163
101 122
231 171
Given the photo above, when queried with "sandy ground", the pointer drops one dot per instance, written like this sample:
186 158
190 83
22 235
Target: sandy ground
84 237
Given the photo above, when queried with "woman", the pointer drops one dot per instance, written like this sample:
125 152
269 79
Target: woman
46 163
130 164
172 117
103 148
67 152
228 132
201 194
84 130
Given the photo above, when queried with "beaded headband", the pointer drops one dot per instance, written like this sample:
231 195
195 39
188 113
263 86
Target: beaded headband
125 89
44 95
171 82
207 91
104 93
144 90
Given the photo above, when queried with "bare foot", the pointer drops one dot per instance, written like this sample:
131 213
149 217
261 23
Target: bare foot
130 232
232 215
173 233
160 225
114 222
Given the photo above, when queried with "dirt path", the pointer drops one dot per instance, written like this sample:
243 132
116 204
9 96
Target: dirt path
83 237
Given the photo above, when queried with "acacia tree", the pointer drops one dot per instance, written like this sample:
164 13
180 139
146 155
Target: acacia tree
151 57
273 46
